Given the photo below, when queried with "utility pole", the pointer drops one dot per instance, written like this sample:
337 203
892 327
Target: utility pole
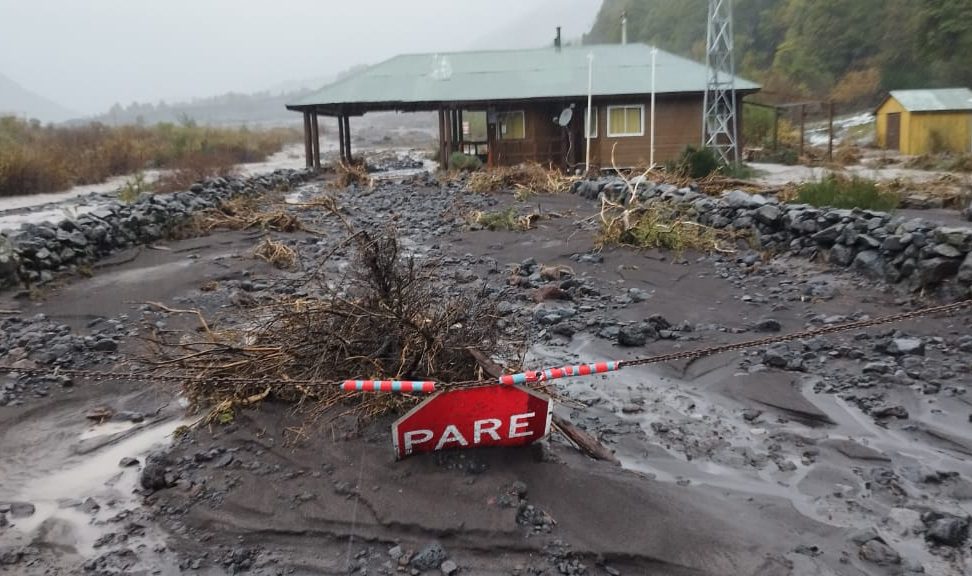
719 122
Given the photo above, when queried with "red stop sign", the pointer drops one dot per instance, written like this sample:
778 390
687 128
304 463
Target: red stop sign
473 417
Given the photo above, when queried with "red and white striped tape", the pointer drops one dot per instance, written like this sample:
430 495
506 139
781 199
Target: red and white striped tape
423 386
562 372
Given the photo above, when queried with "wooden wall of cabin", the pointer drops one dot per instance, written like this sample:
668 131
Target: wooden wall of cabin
678 119
679 124
542 142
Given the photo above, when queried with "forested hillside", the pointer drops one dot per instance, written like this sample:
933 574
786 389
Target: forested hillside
849 50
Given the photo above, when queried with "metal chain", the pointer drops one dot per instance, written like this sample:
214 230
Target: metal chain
758 343
106 376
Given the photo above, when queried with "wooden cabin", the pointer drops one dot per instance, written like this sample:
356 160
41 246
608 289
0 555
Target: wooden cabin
917 122
509 107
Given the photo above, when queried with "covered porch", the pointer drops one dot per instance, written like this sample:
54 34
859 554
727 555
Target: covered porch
498 133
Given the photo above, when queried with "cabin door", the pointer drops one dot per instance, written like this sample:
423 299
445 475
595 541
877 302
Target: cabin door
894 132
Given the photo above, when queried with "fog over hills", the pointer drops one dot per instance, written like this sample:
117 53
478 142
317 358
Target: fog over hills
18 101
246 100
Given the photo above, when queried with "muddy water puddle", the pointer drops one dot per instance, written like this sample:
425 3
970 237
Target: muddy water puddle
689 433
83 501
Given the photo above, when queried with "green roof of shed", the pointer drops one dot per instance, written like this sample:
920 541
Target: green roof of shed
416 79
945 100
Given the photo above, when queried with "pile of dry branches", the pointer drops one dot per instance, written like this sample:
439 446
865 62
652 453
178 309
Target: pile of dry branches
530 178
656 224
387 318
352 173
243 213
276 253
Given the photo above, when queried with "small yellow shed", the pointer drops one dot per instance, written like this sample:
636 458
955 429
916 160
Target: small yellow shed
926 121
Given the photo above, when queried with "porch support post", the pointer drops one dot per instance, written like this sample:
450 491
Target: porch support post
448 132
460 138
347 138
443 160
343 154
308 153
316 129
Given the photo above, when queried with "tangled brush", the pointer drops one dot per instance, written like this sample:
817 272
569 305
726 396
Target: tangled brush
386 318
656 224
524 180
276 253
244 213
352 173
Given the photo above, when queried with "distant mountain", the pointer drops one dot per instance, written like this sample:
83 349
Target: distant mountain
265 108
258 109
575 17
18 101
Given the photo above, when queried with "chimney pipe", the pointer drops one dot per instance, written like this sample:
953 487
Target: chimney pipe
624 27
557 40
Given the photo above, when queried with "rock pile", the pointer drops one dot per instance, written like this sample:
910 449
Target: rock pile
37 251
878 245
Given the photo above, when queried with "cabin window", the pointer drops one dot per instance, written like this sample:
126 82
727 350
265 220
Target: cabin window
592 132
512 125
473 125
626 121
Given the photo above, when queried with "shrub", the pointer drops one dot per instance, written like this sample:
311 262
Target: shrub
838 191
662 226
501 220
464 162
698 163
757 124
36 158
783 155
133 188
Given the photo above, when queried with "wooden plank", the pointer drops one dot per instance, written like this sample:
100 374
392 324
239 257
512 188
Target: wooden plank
586 442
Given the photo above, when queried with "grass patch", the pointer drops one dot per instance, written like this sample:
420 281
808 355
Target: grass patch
838 191
133 188
464 162
35 159
500 220
700 163
662 226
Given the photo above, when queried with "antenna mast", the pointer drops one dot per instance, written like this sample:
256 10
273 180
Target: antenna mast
719 125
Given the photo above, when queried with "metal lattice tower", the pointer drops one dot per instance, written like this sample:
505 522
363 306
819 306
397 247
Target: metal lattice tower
719 127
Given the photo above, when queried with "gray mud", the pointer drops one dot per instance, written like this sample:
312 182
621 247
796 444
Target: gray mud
786 461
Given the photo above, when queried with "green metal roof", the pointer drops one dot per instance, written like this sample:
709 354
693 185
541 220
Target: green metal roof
949 99
415 79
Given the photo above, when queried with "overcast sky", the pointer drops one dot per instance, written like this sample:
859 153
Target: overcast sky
89 54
